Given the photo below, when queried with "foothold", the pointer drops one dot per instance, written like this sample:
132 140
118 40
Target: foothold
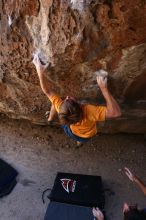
9 21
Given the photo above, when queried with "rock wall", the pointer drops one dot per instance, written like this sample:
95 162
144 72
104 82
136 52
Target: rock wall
77 37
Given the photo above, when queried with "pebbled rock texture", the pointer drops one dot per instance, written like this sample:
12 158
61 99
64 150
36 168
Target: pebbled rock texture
77 37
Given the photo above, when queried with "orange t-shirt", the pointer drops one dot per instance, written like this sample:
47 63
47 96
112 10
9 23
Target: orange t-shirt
86 127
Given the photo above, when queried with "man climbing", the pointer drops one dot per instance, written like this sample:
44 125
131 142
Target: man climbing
77 120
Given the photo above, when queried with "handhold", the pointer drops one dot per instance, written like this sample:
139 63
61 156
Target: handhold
102 73
77 4
9 21
42 57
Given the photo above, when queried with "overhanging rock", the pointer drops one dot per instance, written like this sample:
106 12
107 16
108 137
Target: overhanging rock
77 37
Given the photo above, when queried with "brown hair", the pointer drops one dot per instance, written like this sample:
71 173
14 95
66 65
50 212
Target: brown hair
70 111
135 214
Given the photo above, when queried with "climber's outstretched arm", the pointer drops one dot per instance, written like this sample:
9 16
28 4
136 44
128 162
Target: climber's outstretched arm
46 85
113 109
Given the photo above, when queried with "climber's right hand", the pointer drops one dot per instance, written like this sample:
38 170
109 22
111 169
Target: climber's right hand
40 68
102 82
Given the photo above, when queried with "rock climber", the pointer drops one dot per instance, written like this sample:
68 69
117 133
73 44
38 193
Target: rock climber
77 120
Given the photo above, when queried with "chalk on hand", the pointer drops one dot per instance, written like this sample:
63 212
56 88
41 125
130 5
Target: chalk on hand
102 73
42 57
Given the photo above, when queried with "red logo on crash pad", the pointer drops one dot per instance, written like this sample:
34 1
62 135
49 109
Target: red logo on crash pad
68 184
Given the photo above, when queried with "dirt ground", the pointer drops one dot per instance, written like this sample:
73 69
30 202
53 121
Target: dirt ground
38 153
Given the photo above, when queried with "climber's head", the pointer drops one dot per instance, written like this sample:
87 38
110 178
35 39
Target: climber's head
70 111
133 213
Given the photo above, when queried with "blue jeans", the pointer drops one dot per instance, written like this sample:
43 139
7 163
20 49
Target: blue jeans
69 133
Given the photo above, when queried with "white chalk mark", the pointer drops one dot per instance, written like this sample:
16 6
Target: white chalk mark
102 73
9 21
42 56
77 4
